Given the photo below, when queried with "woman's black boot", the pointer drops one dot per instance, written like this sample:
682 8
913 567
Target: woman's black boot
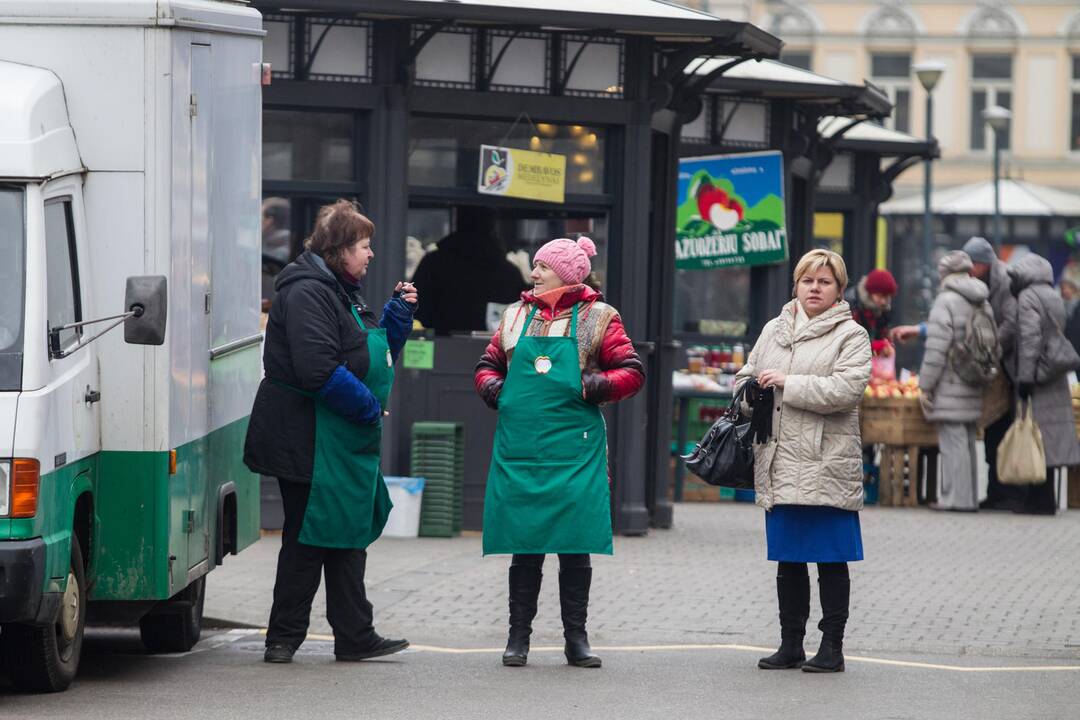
524 591
574 583
793 595
835 587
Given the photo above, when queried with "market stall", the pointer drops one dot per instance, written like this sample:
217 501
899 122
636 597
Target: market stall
393 102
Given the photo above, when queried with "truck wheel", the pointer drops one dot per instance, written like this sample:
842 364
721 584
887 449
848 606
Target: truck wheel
45 659
176 628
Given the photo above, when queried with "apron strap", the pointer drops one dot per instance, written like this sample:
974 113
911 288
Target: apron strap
532 313
356 315
528 321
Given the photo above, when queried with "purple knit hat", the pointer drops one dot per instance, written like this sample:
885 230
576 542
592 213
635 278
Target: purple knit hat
568 258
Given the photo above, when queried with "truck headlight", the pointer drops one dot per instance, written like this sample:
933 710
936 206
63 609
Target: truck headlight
5 487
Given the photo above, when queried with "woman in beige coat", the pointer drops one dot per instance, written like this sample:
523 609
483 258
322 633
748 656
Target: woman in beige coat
808 476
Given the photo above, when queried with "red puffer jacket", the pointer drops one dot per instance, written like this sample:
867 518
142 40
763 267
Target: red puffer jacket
612 370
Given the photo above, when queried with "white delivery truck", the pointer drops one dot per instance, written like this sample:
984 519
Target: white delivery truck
129 189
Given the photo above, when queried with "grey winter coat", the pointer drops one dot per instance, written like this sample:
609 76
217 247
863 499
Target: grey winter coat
815 454
1004 305
948 398
1039 307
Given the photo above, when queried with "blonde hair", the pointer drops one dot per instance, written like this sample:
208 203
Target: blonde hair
817 259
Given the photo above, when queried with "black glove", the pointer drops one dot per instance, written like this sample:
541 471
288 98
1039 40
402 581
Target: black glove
490 392
595 387
1025 390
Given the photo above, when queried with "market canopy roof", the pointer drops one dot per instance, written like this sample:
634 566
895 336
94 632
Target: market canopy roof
870 137
774 79
1017 198
655 18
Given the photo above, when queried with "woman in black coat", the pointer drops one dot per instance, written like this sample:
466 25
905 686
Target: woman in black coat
316 425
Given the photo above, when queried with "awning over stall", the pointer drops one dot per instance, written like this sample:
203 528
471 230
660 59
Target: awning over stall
1017 198
664 21
870 137
775 80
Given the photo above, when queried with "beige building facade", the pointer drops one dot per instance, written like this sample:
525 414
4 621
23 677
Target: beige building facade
1021 55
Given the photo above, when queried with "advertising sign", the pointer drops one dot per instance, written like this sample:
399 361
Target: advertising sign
731 211
522 174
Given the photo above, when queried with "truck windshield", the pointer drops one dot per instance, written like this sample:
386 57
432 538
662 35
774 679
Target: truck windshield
12 285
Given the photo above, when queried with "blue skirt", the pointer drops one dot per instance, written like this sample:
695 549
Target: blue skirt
813 533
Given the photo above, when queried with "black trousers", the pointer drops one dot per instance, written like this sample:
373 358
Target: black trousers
565 560
1041 499
299 570
996 493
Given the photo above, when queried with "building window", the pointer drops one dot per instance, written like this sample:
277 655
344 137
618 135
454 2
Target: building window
447 60
339 49
892 73
1074 142
991 84
445 152
799 59
592 67
314 146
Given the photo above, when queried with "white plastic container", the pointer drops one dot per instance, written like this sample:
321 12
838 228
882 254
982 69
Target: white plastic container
406 493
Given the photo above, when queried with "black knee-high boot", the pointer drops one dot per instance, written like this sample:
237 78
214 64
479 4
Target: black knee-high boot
574 584
524 591
834 584
793 596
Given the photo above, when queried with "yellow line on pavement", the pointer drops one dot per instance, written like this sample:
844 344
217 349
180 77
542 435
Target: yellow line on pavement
743 648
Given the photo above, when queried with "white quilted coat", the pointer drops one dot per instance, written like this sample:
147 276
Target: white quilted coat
815 454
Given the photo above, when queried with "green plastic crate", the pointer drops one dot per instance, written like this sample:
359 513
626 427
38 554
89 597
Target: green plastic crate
438 455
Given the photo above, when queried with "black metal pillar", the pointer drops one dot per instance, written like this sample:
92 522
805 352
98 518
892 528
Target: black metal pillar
628 274
662 193
388 195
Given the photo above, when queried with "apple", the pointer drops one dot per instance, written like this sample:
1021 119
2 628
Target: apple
715 206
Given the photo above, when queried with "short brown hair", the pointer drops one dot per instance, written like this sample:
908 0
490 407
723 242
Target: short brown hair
817 259
338 226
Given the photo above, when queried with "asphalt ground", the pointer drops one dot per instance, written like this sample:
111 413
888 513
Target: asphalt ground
224 677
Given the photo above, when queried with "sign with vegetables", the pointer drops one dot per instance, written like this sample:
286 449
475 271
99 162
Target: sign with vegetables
731 211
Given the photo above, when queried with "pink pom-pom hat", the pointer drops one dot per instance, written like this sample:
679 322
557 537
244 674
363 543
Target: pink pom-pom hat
568 258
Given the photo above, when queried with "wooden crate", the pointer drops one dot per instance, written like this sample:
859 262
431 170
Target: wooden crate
895 421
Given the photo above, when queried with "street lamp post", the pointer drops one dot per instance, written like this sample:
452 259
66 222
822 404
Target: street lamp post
929 73
997 118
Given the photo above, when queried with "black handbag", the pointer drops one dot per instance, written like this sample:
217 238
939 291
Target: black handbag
725 456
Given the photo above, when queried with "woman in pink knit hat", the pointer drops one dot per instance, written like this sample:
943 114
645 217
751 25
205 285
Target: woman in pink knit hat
558 354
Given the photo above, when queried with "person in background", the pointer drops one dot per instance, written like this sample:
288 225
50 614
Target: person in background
558 355
808 476
1069 287
950 403
1039 310
464 273
276 244
870 301
994 273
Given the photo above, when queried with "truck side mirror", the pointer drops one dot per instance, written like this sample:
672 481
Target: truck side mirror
147 297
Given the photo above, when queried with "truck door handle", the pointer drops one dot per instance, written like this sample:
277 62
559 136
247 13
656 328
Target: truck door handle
91 396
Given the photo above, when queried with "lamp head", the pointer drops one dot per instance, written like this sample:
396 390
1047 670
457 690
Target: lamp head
929 73
996 117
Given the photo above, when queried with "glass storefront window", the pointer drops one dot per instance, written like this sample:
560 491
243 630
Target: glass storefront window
446 152
469 262
712 302
300 145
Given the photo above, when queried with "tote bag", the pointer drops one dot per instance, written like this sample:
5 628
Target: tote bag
1021 459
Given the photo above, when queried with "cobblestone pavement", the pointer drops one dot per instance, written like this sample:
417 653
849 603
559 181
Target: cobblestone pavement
987 584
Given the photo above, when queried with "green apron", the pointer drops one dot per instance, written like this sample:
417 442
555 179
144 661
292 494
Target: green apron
348 504
547 490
